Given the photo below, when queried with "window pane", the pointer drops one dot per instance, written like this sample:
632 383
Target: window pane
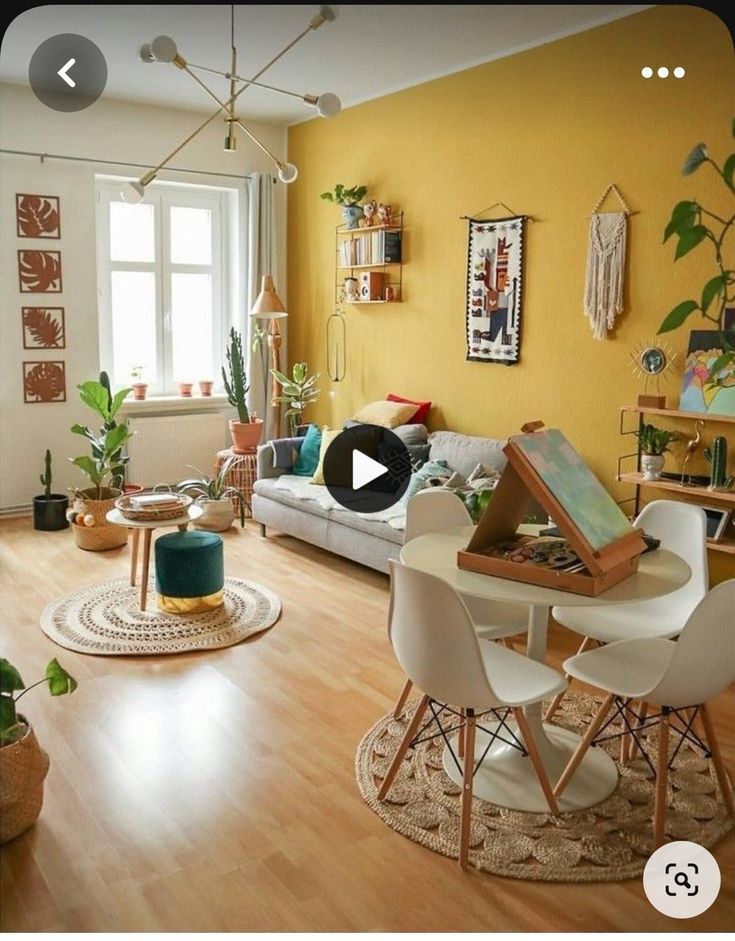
131 232
191 327
133 325
191 236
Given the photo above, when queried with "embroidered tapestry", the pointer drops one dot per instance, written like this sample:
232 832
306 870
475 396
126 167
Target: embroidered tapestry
494 280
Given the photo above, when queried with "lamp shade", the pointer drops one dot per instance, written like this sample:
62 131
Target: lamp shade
268 304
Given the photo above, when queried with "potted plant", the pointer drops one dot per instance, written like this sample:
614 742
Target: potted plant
105 468
49 509
185 389
23 763
216 498
140 388
692 224
298 392
245 430
348 198
654 443
205 387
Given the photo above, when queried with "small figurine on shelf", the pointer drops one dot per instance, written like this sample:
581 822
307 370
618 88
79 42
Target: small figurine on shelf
692 445
385 213
369 210
390 294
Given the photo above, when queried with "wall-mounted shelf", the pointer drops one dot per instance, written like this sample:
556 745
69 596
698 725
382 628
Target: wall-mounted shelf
702 495
378 249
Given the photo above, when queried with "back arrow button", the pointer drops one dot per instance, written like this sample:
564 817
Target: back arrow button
62 73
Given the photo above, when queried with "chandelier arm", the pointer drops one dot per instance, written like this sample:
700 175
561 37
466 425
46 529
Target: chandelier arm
184 143
226 109
247 81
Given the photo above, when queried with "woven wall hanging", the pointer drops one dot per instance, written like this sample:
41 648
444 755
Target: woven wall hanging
604 280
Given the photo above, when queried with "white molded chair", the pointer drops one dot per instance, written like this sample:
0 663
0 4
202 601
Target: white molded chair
436 644
676 677
436 510
682 528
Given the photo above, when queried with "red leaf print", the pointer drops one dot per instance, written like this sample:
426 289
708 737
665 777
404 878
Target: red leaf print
44 382
39 272
37 216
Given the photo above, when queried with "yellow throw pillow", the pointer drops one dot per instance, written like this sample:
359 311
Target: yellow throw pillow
328 436
387 414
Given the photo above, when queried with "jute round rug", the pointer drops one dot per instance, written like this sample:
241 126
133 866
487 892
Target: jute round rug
605 843
106 619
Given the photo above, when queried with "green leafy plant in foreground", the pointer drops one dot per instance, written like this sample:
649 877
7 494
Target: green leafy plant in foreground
11 683
693 225
106 465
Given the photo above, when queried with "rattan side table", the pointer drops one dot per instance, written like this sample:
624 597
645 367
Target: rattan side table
241 475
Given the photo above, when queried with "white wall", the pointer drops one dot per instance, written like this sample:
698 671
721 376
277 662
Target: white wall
108 130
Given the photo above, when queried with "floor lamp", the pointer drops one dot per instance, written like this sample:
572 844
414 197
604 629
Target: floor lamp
269 306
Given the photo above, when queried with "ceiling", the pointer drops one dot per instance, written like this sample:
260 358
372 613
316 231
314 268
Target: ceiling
368 51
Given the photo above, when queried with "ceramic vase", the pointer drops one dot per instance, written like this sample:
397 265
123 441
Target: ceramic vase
652 465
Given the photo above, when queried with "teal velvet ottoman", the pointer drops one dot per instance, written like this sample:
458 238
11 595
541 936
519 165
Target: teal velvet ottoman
190 572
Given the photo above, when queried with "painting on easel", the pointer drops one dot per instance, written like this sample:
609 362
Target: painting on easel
494 281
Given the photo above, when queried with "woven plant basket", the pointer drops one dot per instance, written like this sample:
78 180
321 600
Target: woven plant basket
23 767
102 535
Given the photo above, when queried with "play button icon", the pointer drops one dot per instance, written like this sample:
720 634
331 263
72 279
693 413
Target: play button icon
367 468
67 72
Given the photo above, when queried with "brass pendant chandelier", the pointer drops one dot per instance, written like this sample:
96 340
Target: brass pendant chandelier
164 49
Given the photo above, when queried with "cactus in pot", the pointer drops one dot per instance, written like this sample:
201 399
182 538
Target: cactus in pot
245 430
49 509
717 456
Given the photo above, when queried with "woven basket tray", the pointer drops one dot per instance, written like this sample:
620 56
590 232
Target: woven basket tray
150 514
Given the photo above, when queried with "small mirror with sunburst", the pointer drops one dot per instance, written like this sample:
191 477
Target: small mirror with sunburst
652 362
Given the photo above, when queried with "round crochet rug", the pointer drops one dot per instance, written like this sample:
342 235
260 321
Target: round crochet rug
106 620
605 843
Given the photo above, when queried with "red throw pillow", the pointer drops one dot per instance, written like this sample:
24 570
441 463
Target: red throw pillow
420 416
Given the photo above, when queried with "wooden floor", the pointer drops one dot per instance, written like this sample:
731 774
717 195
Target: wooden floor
216 791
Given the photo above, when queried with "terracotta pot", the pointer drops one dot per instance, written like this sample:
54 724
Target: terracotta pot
132 488
205 388
185 389
217 517
139 390
23 767
102 535
245 435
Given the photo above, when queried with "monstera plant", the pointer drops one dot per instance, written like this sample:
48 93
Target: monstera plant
695 225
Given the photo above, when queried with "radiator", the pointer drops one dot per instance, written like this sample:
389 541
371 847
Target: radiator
163 446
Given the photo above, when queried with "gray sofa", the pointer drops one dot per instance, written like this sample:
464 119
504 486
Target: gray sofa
368 541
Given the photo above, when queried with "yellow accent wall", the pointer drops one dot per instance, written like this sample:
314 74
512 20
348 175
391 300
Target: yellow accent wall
543 131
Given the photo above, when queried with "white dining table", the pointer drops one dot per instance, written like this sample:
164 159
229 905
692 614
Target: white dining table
506 776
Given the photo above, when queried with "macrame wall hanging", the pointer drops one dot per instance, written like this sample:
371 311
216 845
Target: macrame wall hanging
604 280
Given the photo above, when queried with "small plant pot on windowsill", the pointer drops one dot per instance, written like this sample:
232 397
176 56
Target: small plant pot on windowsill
185 389
140 390
49 512
651 466
245 435
205 387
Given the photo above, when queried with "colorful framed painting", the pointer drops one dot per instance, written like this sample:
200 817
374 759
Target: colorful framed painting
44 382
703 390
37 217
39 272
494 283
43 328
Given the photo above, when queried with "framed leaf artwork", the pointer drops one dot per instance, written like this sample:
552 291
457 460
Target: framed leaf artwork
44 382
37 217
494 283
43 328
39 272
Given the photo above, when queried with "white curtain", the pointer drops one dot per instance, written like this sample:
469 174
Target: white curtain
261 242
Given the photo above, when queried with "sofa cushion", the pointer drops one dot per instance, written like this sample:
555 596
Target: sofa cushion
464 452
421 415
328 436
387 414
308 459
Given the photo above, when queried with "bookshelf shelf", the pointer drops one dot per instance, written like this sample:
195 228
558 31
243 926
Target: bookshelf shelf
369 261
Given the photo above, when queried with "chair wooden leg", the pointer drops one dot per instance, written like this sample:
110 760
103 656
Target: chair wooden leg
643 705
662 775
533 754
554 704
720 770
461 734
401 702
403 747
467 778
583 745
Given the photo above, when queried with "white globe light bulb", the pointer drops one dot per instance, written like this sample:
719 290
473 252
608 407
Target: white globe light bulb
287 173
164 49
132 192
328 105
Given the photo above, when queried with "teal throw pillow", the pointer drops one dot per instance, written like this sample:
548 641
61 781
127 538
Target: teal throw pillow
308 458
419 477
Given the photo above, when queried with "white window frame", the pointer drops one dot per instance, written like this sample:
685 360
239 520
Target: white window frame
163 196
